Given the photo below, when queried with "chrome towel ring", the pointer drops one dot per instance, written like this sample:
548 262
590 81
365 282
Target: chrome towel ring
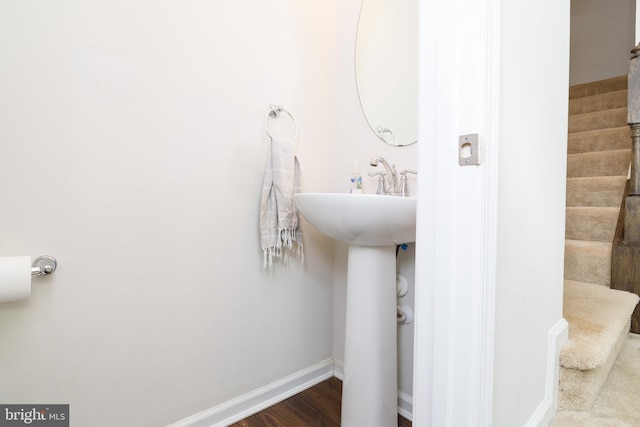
274 113
43 265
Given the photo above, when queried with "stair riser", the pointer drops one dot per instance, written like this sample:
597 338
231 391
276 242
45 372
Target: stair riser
599 102
602 86
599 140
595 191
590 262
598 120
605 163
592 224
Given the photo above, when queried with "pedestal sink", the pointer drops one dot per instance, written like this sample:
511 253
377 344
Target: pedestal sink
372 226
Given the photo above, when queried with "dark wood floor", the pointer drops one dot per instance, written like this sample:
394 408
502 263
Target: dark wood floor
318 406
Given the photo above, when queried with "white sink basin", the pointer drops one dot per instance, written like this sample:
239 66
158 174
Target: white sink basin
361 219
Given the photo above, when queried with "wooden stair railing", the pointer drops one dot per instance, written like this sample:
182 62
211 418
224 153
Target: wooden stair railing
625 254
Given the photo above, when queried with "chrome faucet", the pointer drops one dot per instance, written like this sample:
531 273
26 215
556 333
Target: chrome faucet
388 183
388 187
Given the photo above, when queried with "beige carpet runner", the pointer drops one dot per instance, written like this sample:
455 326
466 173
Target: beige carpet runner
599 150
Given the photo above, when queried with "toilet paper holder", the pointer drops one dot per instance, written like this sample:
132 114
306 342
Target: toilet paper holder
43 265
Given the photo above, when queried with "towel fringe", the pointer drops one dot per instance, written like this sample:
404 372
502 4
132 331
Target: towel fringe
288 241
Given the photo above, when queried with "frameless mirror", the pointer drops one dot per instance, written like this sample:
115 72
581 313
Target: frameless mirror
387 68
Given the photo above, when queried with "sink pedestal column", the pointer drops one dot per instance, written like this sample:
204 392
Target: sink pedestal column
370 386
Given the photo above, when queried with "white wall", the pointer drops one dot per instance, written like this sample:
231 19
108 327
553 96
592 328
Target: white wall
602 35
132 149
531 198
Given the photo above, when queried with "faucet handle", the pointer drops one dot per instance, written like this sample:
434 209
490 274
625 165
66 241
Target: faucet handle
380 189
404 191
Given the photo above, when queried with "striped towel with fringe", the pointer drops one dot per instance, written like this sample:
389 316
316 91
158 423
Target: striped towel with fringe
280 231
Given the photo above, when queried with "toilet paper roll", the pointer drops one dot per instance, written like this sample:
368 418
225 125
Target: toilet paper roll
15 278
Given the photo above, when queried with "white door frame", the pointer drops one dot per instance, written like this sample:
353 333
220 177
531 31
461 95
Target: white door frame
456 236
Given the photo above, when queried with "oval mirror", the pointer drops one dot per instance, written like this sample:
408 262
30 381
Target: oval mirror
387 68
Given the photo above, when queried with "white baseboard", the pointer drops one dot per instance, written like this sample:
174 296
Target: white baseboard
558 336
405 402
255 401
405 405
338 371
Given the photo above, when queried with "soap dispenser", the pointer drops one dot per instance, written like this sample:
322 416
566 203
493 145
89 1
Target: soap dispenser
356 179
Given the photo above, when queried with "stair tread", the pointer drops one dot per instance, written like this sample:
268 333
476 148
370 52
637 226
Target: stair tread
578 389
585 243
589 209
597 113
596 315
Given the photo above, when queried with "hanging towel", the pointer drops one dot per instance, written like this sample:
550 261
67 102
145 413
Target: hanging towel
280 231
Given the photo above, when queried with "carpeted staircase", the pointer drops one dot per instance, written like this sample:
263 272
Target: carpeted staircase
599 150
